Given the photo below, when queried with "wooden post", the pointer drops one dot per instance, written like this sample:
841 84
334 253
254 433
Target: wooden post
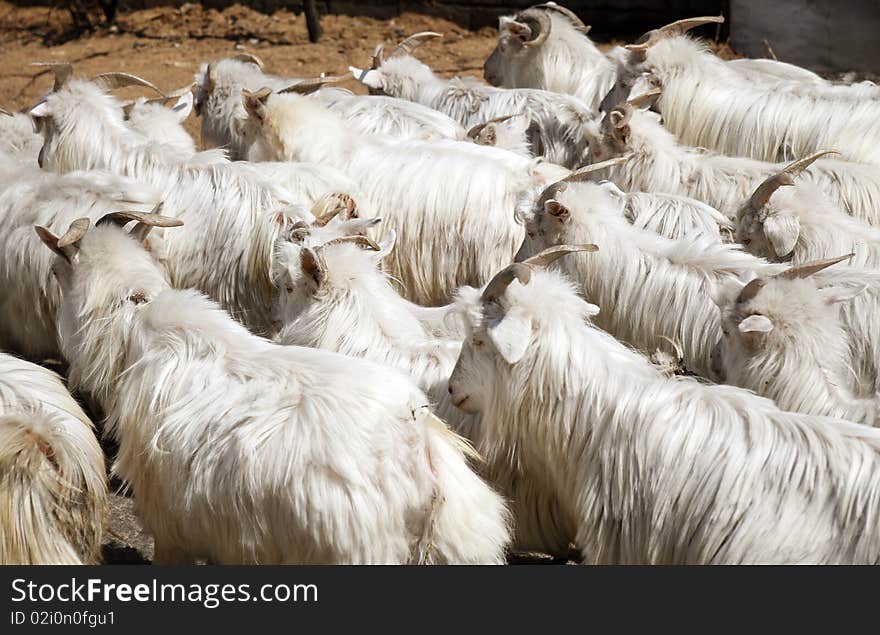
313 21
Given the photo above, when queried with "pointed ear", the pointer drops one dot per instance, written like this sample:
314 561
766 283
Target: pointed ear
511 336
519 30
369 77
255 103
358 226
756 325
489 135
782 230
559 211
184 106
621 133
40 110
313 266
386 244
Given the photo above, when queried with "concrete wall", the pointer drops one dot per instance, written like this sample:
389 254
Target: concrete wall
822 35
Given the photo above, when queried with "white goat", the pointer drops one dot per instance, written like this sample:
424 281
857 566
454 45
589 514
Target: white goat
164 125
218 102
784 339
802 226
706 104
231 210
657 470
452 205
29 301
658 163
337 299
661 290
239 450
555 122
52 479
547 47
19 142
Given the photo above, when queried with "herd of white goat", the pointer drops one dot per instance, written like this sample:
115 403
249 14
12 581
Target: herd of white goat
590 306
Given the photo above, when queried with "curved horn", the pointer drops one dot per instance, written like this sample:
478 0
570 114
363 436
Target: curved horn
112 81
476 130
765 191
74 233
414 41
639 100
750 290
552 254
795 167
249 58
3 111
576 22
361 241
323 219
378 56
63 71
261 94
536 18
582 174
679 27
808 269
149 218
307 86
498 285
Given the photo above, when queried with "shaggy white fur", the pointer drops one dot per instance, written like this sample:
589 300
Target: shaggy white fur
53 488
655 290
239 450
660 470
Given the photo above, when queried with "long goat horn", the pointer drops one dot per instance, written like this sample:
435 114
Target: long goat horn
536 18
498 285
307 86
767 189
147 218
809 268
63 71
796 167
112 81
476 130
361 241
249 58
576 22
552 254
582 174
74 233
679 27
414 41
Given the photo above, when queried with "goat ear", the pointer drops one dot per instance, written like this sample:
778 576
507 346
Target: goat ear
834 295
489 135
368 77
386 244
184 106
358 226
782 230
255 103
313 266
559 211
621 133
519 30
756 325
511 336
40 110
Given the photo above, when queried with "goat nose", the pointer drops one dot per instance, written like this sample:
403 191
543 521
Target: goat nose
449 388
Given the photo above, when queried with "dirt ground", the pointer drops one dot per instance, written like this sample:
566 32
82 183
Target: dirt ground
166 45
